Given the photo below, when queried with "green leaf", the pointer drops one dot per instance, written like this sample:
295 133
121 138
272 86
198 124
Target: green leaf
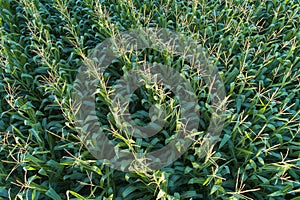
76 195
52 194
3 193
224 140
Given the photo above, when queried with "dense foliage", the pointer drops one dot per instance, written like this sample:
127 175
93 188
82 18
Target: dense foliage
255 46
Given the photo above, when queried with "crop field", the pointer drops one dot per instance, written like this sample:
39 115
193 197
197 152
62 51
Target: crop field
254 47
